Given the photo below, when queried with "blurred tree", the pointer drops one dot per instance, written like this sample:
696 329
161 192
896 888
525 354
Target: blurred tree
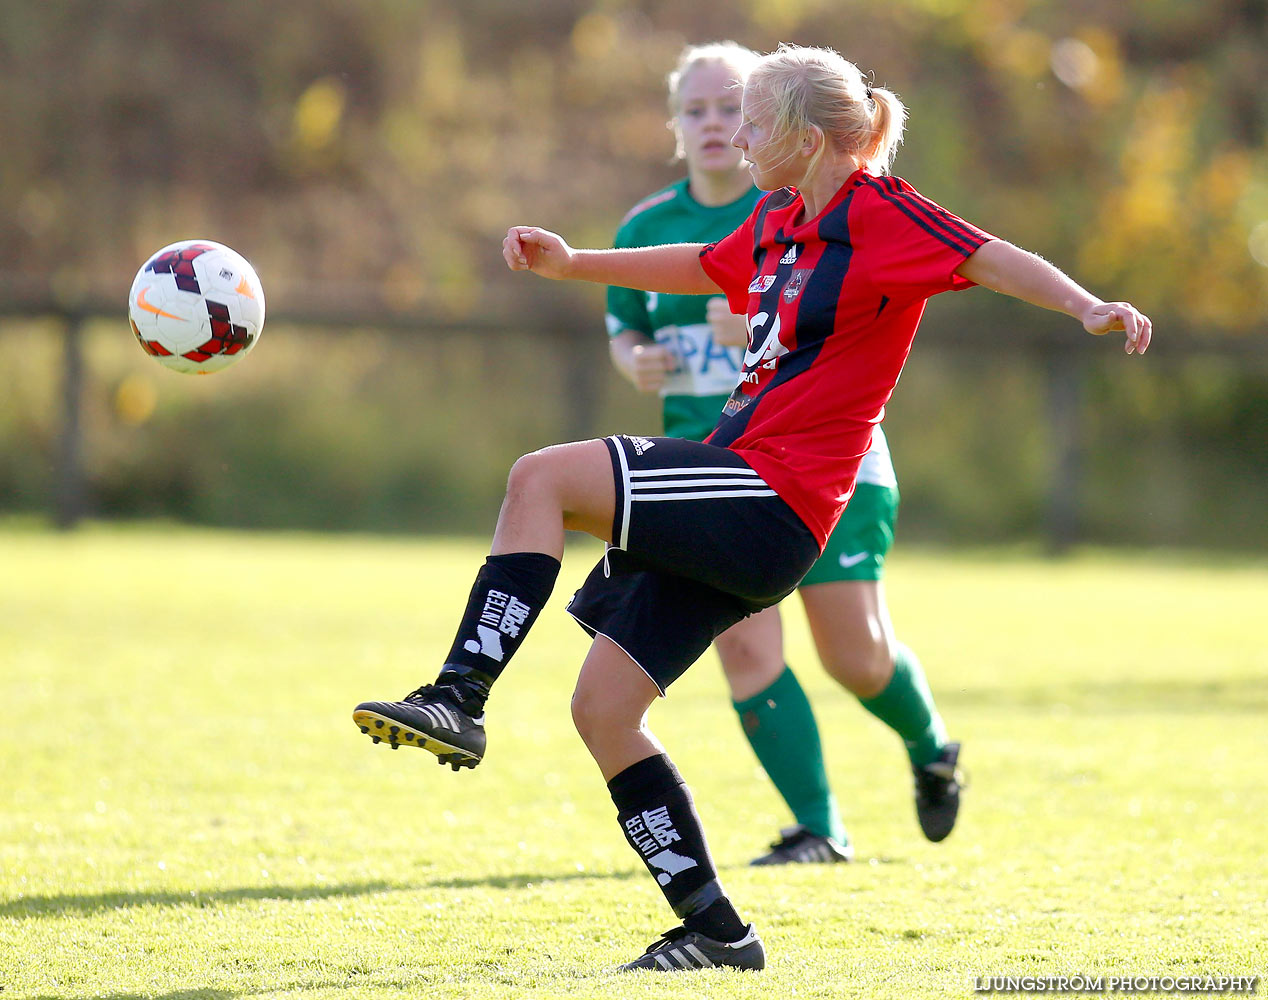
389 142
375 150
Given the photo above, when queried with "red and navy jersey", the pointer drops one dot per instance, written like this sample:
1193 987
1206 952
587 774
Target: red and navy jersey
833 304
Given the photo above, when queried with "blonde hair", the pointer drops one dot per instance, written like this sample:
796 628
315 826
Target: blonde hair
730 54
818 88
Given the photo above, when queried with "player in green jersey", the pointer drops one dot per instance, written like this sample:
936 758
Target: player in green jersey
688 349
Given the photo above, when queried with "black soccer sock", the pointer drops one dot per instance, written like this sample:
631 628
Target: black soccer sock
659 820
719 920
469 687
507 597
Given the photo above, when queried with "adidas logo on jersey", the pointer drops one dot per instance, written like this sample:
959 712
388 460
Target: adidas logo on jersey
641 444
790 257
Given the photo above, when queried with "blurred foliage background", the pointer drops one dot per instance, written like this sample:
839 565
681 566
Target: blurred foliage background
367 156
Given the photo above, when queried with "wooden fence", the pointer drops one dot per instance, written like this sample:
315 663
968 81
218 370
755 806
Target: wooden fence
1062 359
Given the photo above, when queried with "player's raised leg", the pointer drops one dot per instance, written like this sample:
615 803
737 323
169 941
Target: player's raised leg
658 817
562 487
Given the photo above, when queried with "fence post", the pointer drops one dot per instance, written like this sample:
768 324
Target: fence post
1064 373
69 488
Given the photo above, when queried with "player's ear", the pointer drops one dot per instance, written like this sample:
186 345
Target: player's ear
811 141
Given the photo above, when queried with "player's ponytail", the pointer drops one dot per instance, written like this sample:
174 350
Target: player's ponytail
888 116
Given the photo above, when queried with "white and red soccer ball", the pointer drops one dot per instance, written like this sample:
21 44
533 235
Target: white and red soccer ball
196 306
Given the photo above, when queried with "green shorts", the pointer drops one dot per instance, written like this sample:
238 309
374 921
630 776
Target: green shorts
857 547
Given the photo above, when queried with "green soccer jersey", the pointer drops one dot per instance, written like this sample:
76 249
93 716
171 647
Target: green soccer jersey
706 373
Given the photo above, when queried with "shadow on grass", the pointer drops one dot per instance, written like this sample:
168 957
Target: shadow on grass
1233 696
178 995
524 880
215 994
33 907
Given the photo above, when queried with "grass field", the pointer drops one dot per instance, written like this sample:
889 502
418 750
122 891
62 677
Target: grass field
190 813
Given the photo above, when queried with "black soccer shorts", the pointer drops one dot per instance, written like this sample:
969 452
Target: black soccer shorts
700 541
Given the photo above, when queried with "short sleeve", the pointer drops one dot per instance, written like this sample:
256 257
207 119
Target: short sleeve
627 310
913 244
729 263
626 307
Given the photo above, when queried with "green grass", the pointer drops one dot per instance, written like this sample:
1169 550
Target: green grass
190 813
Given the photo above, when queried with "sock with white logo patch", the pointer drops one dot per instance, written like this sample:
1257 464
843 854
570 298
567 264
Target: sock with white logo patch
508 595
659 821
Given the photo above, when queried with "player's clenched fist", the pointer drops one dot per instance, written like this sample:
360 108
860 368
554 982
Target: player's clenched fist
729 330
648 366
527 248
1106 317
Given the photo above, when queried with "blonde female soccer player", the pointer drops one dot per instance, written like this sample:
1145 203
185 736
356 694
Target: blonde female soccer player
832 269
689 349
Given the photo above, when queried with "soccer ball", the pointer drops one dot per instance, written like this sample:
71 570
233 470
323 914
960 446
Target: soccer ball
196 307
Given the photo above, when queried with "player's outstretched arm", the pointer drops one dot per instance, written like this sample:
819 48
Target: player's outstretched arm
674 268
1005 268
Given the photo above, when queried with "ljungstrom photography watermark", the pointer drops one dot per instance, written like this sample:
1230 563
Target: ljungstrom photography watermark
1085 983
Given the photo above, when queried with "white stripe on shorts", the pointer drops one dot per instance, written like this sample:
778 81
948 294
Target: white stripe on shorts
676 483
621 542
682 483
716 484
706 495
696 471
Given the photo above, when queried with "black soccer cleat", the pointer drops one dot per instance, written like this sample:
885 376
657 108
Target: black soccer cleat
430 719
938 788
680 949
798 846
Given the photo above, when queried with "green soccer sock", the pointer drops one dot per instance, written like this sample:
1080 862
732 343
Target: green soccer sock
906 706
781 728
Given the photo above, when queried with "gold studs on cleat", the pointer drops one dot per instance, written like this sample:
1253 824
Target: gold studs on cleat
396 736
455 760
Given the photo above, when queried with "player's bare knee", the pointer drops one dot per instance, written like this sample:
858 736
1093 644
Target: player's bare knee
530 475
747 675
865 670
743 655
601 720
590 716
